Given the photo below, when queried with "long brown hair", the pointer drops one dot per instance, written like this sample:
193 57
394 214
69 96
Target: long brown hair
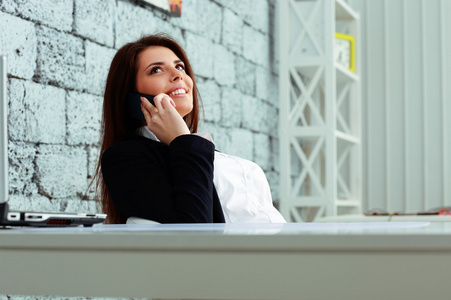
116 125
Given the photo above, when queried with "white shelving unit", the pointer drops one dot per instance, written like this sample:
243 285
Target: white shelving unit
320 126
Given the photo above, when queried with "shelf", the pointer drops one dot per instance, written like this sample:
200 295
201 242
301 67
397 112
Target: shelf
308 67
309 201
302 61
344 75
344 12
328 134
347 203
347 137
310 131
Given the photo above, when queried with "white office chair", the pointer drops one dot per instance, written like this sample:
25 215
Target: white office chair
136 220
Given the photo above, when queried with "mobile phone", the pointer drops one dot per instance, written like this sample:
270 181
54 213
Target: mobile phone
133 103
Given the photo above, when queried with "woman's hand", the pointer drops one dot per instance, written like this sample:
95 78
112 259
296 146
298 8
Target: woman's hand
163 119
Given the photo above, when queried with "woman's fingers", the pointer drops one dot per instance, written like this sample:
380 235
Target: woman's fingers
146 103
166 103
163 102
157 100
163 119
146 114
146 108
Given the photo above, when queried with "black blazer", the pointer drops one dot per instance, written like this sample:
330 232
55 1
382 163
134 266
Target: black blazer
166 184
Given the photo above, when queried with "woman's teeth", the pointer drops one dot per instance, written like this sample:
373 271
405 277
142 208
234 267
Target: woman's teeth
176 92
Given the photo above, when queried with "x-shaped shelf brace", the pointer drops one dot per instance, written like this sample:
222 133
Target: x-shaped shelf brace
305 97
297 217
307 164
340 181
307 30
340 100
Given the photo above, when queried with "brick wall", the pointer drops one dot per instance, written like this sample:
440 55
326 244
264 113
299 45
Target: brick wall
59 52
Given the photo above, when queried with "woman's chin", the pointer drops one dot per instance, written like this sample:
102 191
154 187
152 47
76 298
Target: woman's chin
184 110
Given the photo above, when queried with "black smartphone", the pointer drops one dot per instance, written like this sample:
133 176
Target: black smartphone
134 105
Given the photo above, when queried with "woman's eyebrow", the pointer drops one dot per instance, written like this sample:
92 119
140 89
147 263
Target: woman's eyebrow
162 63
154 63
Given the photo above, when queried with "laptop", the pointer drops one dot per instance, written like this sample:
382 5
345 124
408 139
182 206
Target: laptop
28 218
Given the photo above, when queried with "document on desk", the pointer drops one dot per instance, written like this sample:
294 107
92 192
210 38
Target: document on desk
253 228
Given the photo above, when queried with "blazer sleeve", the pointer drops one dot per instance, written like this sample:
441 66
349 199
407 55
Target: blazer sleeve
167 184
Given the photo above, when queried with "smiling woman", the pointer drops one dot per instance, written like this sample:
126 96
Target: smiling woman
160 169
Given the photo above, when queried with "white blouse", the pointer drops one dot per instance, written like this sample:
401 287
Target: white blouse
242 188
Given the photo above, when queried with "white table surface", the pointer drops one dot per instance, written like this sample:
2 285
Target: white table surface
392 218
380 260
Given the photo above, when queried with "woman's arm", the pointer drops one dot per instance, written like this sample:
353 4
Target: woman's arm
167 184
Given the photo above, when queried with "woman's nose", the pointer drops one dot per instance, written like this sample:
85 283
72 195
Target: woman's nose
177 75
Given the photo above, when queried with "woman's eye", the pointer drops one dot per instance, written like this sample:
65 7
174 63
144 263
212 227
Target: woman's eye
180 67
155 70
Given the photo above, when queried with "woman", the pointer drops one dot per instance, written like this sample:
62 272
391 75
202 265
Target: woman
159 169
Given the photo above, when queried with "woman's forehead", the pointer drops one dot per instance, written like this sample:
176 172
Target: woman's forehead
156 54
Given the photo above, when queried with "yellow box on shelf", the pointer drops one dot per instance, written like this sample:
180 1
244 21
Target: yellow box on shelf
344 51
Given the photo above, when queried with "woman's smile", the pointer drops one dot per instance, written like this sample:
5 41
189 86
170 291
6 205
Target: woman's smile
178 92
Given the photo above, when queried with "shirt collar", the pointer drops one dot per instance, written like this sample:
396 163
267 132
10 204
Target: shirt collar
145 132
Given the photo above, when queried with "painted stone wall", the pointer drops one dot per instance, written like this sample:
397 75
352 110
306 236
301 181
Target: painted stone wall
59 52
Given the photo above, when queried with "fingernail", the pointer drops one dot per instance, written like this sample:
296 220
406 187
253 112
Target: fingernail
173 103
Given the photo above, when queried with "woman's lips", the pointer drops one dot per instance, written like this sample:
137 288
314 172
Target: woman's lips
178 92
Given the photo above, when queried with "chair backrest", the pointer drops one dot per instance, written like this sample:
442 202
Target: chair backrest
136 220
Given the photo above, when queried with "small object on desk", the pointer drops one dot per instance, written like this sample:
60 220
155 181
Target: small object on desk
445 211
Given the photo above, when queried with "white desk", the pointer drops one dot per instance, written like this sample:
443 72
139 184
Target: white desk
393 218
292 261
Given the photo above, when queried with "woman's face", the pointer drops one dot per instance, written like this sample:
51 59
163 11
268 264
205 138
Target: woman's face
161 71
